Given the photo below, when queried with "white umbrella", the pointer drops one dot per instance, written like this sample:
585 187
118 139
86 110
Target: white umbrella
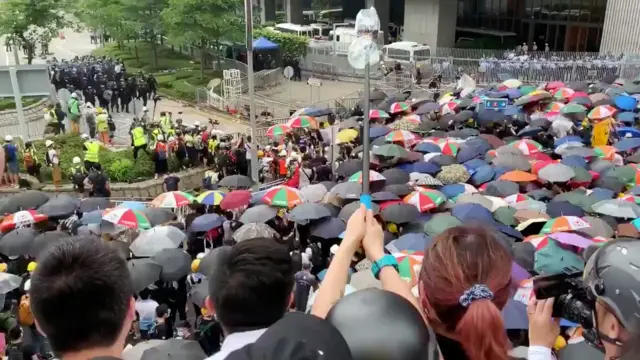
313 193
9 282
556 173
172 233
150 245
617 208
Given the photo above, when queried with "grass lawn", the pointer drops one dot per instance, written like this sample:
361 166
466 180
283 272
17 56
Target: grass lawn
10 104
180 84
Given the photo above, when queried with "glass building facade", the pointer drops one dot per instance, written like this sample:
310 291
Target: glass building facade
565 25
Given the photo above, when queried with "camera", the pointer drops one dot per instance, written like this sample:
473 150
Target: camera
574 300
157 98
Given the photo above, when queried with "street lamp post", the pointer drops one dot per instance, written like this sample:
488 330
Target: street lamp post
248 15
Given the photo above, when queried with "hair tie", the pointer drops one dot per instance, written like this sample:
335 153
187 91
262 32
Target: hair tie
476 292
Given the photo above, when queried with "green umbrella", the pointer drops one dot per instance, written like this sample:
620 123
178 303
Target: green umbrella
625 174
631 88
588 202
581 175
391 150
572 108
439 223
505 215
576 197
526 89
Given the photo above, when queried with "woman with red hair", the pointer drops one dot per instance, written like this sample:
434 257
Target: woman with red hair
464 283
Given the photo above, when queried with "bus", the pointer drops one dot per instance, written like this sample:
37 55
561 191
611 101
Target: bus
407 52
288 28
344 36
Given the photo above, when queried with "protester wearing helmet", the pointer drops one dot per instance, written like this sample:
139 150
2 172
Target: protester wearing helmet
91 151
78 175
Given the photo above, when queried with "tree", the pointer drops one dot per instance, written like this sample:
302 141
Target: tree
105 16
204 23
144 17
31 22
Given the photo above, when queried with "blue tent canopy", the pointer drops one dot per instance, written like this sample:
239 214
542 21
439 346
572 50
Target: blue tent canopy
264 44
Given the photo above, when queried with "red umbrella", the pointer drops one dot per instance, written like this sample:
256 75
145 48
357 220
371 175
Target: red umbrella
540 157
554 85
236 199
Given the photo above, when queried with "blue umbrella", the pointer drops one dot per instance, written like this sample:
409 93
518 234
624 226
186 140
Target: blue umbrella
628 132
316 112
378 131
256 197
473 164
512 110
567 140
499 171
133 205
626 103
206 222
421 167
627 144
482 175
486 117
563 208
575 161
471 212
470 152
602 193
427 147
93 217
509 231
412 241
453 190
627 117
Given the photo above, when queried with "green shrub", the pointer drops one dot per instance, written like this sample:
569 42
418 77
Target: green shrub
291 46
120 169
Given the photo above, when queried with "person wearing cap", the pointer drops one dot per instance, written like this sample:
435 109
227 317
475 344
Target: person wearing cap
53 160
144 115
91 152
102 125
78 174
74 113
11 159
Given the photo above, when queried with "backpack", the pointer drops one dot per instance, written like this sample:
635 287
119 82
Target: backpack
25 316
162 151
316 254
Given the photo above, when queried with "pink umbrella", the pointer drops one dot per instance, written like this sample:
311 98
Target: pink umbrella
571 239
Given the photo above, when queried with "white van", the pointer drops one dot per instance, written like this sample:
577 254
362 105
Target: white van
288 28
344 36
321 31
406 52
330 16
309 16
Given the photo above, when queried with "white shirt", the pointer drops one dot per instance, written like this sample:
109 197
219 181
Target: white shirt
540 353
53 156
147 311
236 341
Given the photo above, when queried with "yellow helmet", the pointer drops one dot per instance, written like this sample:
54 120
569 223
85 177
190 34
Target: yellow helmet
392 228
204 311
3 267
260 153
99 110
32 266
195 265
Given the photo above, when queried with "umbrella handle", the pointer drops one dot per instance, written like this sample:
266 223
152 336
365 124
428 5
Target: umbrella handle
365 199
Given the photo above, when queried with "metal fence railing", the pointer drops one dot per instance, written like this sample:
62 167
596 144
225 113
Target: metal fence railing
501 54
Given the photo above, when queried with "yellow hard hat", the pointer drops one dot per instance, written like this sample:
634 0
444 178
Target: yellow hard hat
392 228
195 265
560 343
260 153
204 311
32 266
3 267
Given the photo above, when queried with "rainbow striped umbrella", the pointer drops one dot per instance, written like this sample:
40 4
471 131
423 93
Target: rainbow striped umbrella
563 93
126 217
20 219
605 152
172 199
516 198
449 108
302 121
564 223
212 197
601 112
555 107
399 107
449 148
278 130
373 176
282 196
402 136
425 199
378 114
409 264
527 146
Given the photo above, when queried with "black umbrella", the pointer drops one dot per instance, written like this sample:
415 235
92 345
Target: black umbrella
258 214
427 108
328 184
384 196
236 182
302 213
349 167
44 242
400 213
501 188
467 153
92 204
30 199
347 190
399 189
350 208
175 349
175 264
579 351
530 131
211 261
333 209
329 228
17 242
58 208
486 117
395 176
144 272
159 216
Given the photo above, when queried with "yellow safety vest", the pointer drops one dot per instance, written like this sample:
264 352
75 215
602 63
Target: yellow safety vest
102 122
188 140
213 144
165 123
138 136
93 151
77 169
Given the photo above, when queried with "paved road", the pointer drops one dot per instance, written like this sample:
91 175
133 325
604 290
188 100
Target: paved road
79 44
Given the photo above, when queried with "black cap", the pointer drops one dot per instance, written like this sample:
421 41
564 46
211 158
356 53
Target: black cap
297 336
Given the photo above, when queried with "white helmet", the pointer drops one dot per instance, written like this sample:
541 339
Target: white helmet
171 138
8 138
145 109
48 143
84 137
74 95
160 137
77 160
197 123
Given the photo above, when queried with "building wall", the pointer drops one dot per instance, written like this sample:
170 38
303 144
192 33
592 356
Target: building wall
621 27
431 22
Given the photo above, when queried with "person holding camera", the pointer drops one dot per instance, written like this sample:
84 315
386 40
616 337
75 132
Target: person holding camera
607 290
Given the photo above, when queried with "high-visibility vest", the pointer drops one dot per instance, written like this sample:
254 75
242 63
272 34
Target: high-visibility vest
139 138
102 122
93 151
165 123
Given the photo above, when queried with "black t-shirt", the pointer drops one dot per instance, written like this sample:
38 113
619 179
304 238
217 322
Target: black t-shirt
162 332
304 282
171 183
99 182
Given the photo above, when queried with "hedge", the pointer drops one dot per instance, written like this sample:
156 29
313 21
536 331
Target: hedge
292 46
119 165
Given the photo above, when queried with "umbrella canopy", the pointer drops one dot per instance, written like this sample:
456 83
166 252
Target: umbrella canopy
210 262
258 214
158 216
30 199
175 349
206 222
144 272
400 213
556 173
236 182
254 231
125 217
347 190
172 233
349 209
328 228
391 150
9 282
425 199
563 224
150 244
45 241
21 219
172 199
18 242
97 203
302 213
236 199
282 196
135 352
176 264
617 208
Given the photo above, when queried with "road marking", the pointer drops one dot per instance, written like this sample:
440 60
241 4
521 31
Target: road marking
66 50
